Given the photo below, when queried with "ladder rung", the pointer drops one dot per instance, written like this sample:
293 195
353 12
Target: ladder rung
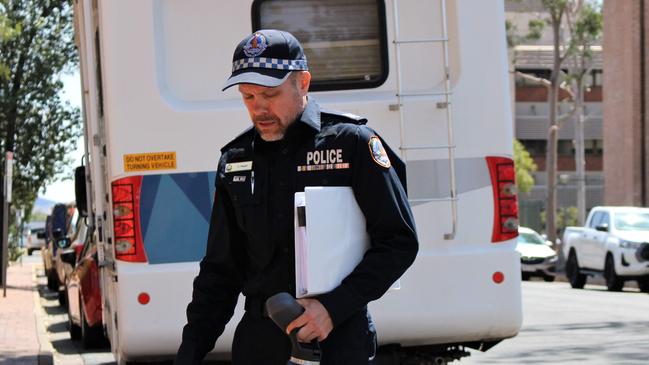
433 200
425 40
426 148
441 93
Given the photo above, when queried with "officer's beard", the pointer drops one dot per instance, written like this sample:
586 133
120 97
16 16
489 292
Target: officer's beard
280 130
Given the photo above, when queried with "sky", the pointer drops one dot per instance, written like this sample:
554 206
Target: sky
63 191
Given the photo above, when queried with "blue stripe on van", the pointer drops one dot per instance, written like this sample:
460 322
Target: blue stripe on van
174 214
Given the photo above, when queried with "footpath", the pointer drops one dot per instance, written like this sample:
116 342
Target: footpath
23 340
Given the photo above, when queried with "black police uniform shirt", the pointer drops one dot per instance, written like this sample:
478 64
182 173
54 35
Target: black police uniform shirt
251 237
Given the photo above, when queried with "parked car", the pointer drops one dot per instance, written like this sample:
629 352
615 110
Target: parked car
46 254
57 237
84 295
35 237
65 257
537 256
614 244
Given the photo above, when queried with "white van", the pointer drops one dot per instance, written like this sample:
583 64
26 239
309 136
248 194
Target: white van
430 76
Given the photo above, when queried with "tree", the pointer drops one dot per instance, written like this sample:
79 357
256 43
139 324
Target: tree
523 163
586 30
574 25
35 123
524 166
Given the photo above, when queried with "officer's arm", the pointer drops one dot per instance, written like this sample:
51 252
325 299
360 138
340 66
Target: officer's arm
218 284
391 228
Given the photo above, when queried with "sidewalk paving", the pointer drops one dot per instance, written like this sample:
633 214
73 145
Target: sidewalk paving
19 332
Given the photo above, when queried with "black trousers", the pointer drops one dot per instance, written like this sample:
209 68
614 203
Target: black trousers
257 340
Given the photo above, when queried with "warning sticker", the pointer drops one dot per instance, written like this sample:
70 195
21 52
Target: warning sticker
150 161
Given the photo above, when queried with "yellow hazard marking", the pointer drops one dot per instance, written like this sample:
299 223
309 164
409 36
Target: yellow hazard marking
150 161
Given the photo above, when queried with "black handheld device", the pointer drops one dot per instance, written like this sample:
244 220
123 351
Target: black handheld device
282 308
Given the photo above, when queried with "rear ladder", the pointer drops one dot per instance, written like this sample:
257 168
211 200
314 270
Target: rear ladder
446 104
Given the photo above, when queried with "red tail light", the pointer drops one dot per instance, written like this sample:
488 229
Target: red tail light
126 219
503 181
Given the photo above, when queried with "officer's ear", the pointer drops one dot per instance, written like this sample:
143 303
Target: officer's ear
303 80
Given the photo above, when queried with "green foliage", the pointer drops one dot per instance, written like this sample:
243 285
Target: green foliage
15 252
525 167
35 123
14 249
565 217
535 31
586 31
6 32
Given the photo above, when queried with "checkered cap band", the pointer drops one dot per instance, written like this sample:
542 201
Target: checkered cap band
270 63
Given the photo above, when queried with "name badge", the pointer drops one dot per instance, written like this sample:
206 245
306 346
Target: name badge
238 166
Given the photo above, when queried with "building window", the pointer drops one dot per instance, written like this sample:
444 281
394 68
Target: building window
595 78
593 147
345 42
565 148
535 147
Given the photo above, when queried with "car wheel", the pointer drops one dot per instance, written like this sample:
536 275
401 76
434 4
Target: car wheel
29 251
75 329
525 276
643 284
91 337
576 278
63 299
52 281
613 281
548 278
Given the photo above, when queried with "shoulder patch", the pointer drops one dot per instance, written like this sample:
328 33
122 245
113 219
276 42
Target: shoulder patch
378 153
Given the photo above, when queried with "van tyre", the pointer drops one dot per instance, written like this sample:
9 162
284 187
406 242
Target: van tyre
29 251
643 284
613 281
575 277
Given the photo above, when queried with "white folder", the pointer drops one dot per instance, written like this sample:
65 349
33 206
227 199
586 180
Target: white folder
330 242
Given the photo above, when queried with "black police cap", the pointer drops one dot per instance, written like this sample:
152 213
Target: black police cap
266 58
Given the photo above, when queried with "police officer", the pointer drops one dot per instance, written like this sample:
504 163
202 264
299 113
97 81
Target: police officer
293 143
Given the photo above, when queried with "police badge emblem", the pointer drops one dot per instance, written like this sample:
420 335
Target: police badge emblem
255 45
378 152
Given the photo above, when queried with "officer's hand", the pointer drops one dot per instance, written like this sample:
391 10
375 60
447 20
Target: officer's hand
315 321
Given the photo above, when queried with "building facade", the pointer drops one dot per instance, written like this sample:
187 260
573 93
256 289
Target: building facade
625 107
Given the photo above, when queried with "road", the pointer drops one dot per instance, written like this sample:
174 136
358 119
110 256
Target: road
561 325
567 326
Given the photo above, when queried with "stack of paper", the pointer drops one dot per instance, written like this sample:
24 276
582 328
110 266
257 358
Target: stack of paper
330 238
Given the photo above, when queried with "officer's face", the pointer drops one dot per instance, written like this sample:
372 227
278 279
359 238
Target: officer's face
273 109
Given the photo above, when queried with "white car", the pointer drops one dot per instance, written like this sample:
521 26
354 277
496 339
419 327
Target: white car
614 244
537 256
35 237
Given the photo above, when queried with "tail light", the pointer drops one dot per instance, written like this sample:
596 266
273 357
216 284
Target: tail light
503 181
126 219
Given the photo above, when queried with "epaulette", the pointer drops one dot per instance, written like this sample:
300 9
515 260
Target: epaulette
335 116
248 132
